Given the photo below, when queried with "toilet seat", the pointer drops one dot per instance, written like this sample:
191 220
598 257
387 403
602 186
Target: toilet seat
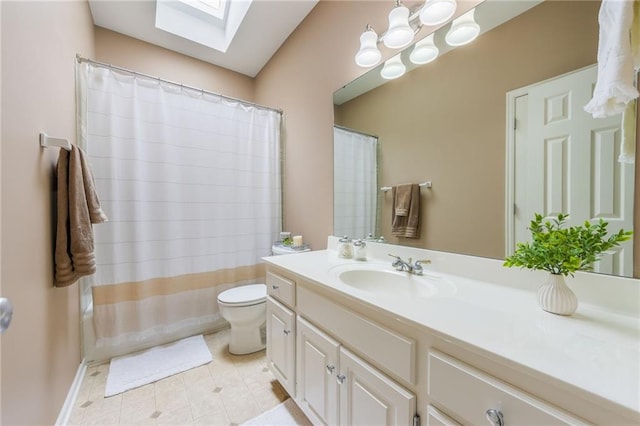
245 295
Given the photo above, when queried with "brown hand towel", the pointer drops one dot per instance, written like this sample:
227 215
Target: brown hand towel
406 226
78 208
402 199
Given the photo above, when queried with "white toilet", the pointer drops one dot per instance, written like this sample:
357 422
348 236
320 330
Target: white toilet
245 308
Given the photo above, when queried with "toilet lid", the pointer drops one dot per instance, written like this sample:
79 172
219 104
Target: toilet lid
243 295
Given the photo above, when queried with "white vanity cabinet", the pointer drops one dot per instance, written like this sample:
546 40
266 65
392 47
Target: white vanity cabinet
336 387
454 360
281 330
368 397
317 368
476 397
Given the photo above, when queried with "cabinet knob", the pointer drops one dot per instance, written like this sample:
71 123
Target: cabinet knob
6 311
340 378
275 287
287 332
495 417
330 369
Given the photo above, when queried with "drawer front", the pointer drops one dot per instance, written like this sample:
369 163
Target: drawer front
281 288
468 393
436 417
392 351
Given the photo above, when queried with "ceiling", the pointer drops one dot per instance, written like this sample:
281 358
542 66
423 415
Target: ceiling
265 27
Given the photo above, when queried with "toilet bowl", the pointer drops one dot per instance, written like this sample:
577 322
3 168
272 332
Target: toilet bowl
245 308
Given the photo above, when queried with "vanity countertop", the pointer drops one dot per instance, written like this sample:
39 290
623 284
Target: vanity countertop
596 349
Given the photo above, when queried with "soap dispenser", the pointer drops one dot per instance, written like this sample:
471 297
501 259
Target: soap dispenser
345 250
359 250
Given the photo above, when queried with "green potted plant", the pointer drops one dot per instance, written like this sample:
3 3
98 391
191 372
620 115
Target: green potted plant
561 251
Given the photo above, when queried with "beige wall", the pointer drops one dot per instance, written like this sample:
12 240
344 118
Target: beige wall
41 350
316 60
123 51
445 122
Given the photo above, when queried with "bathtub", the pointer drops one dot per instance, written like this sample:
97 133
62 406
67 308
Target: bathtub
96 354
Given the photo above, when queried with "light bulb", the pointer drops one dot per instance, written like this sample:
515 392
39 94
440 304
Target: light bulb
464 30
369 54
436 12
399 33
424 51
393 68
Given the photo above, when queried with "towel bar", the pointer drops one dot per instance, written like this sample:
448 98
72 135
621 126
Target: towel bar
426 184
47 141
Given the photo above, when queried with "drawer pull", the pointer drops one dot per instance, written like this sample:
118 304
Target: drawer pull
286 332
275 287
340 378
330 369
495 417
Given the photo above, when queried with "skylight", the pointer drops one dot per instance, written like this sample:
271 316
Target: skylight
213 7
212 23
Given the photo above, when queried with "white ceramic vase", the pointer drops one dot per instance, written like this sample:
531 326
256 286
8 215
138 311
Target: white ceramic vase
556 297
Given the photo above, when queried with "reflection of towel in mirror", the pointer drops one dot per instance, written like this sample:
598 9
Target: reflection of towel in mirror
628 134
78 207
407 226
614 87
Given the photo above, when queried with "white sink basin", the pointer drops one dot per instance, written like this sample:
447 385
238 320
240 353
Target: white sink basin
383 279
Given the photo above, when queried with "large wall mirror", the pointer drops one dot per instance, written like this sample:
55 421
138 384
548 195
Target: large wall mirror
446 122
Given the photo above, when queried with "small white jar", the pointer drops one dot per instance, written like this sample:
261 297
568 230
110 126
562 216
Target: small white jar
359 250
345 249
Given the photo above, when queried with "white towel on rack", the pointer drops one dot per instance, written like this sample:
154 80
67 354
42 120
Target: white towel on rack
614 86
628 134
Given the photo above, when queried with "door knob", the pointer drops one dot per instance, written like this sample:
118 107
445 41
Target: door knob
6 311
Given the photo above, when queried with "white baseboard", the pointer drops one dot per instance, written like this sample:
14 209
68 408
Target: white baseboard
72 395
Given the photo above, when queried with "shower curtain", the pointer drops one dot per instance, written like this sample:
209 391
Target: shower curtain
355 162
191 184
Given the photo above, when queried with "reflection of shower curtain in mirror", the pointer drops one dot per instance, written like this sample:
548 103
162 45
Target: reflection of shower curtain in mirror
191 183
355 185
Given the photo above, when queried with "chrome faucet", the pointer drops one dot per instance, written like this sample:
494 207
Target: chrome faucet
401 265
417 267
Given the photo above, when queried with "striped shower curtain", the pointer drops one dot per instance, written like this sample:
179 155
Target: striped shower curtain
191 184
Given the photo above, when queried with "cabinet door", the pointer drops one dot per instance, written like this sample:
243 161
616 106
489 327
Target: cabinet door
281 344
317 389
368 397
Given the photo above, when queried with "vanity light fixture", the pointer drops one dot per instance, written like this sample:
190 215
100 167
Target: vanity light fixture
436 12
393 68
424 51
405 23
400 33
464 30
369 54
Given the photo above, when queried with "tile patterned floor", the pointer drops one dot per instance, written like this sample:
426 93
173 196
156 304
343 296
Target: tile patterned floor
228 391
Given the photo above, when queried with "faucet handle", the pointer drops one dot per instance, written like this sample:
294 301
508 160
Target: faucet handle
417 268
397 263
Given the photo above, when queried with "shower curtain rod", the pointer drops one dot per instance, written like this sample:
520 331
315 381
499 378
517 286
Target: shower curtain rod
80 59
354 131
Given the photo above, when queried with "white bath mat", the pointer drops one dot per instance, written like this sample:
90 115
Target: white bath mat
148 366
284 414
